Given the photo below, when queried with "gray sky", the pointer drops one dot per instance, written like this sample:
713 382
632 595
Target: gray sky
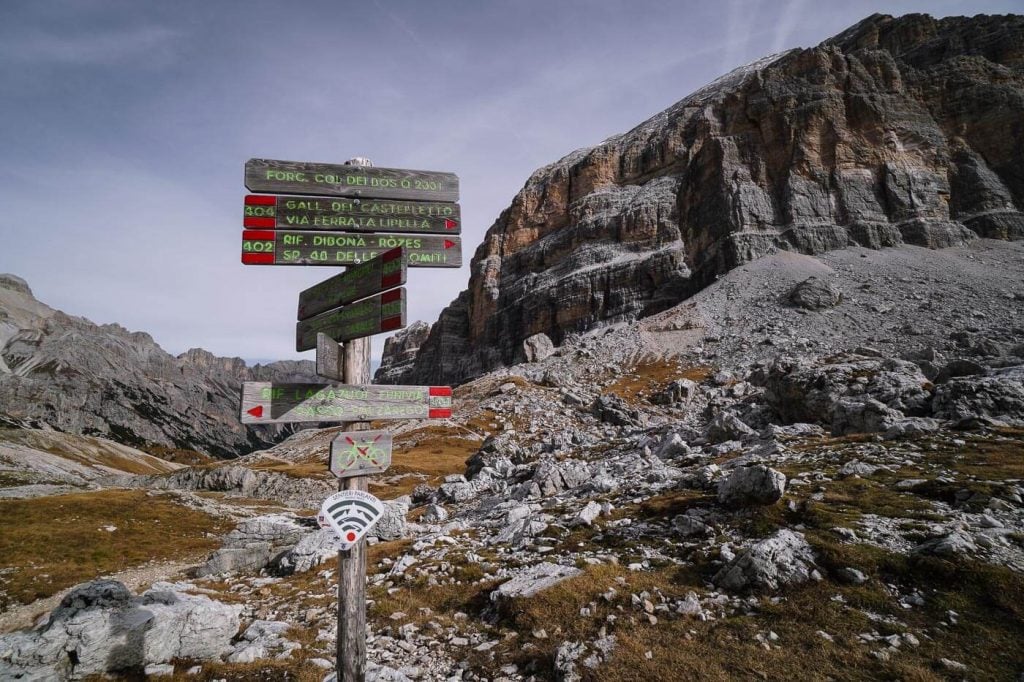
125 125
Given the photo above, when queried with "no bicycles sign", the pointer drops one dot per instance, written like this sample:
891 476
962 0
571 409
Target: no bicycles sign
360 453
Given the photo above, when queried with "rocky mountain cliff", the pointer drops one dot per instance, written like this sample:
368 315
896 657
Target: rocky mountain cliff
68 374
897 131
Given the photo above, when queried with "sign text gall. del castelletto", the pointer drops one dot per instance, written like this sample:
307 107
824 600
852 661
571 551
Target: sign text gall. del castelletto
345 214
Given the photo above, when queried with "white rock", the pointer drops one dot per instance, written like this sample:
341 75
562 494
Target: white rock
586 516
955 666
108 629
752 485
533 580
852 576
782 559
687 525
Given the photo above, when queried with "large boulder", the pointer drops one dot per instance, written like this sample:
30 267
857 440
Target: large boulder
679 392
498 452
726 426
810 391
612 409
101 628
537 347
768 565
815 294
752 485
999 395
392 524
862 415
552 476
312 550
255 542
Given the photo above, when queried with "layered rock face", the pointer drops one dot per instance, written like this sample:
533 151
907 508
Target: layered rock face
899 130
400 352
68 374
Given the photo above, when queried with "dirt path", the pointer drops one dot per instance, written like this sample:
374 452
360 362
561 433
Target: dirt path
23 616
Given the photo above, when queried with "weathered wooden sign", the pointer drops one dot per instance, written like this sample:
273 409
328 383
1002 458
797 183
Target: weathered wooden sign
303 177
330 357
288 247
384 272
375 315
350 214
273 403
360 453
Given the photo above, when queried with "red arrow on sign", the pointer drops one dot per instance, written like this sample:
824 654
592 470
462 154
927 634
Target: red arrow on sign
256 411
448 243
450 224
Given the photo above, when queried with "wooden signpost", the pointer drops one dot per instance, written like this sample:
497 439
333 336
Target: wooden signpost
381 209
384 272
350 215
374 315
279 403
325 179
360 453
291 247
330 358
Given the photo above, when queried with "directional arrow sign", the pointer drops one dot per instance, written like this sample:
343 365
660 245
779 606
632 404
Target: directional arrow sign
384 272
350 215
381 313
301 177
360 453
287 247
273 403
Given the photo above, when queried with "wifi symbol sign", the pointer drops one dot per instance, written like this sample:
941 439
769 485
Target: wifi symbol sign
351 513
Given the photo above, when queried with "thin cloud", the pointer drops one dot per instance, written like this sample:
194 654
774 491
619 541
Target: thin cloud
788 20
94 48
397 21
740 21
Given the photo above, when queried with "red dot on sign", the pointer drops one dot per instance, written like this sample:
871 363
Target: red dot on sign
351 536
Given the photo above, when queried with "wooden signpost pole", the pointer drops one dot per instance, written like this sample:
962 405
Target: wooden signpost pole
351 638
377 222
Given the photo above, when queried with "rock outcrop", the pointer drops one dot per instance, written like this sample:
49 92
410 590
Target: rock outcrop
100 627
898 130
66 373
400 353
302 493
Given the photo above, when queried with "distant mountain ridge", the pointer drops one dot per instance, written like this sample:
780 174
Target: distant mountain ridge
68 374
897 131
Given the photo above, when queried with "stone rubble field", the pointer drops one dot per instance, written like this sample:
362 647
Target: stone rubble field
823 486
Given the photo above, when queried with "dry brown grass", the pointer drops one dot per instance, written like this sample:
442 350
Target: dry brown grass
248 502
987 597
293 670
643 379
314 468
179 455
1000 458
442 600
55 542
425 455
